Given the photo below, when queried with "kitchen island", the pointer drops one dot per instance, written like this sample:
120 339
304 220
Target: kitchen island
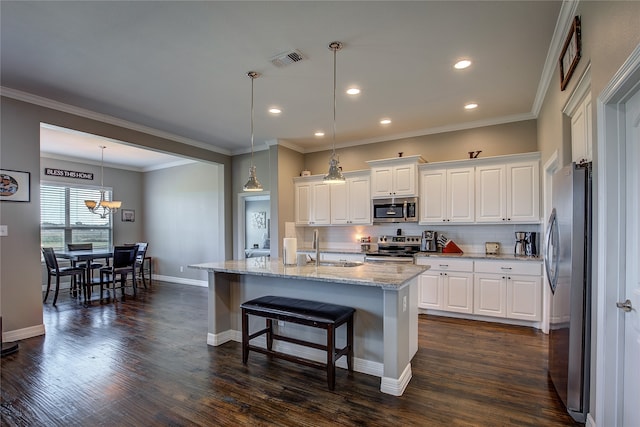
385 297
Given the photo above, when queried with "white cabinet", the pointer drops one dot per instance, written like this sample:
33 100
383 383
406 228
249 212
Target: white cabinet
351 201
508 289
582 132
312 202
447 285
446 195
394 177
508 192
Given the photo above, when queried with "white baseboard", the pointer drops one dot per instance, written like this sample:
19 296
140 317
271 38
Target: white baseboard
515 322
181 280
396 387
590 421
22 334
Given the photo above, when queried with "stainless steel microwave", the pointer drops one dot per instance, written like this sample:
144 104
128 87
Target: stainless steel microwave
395 210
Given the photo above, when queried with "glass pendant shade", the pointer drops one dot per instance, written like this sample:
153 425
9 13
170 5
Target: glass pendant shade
252 184
335 174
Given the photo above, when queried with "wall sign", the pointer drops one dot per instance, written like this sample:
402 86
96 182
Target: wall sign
68 174
570 53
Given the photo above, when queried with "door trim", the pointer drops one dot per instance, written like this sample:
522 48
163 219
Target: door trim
610 240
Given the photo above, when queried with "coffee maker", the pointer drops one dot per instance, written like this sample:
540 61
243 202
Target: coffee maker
429 241
526 243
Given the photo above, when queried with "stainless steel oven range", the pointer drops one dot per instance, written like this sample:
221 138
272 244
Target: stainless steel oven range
395 249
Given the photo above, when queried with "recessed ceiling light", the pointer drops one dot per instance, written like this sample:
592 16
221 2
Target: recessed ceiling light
319 133
275 110
470 106
385 121
353 91
462 64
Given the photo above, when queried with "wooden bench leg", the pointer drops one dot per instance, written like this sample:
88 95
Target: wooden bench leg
269 334
350 344
245 336
331 357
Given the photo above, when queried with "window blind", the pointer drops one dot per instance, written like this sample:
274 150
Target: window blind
65 219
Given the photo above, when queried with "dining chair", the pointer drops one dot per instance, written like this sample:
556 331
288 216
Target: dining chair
54 270
142 251
124 262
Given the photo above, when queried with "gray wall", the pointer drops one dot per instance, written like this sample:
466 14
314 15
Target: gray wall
184 220
610 32
20 268
497 140
127 187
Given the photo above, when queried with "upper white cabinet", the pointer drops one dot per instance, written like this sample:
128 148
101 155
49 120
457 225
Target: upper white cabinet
508 192
394 177
351 201
312 202
446 195
582 132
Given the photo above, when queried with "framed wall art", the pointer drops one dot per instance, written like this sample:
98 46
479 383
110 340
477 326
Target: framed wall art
570 53
128 215
15 186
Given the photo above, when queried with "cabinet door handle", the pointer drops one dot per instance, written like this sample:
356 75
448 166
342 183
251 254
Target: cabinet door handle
505 268
444 265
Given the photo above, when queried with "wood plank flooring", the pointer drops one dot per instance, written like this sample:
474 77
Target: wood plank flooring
145 362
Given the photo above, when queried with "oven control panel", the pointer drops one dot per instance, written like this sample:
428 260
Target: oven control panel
399 240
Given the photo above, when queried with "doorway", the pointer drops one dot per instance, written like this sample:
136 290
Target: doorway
254 225
617 274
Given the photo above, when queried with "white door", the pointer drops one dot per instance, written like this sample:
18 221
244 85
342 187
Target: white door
631 379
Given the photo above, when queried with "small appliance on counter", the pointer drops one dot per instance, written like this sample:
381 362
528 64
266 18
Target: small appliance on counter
429 241
526 243
491 248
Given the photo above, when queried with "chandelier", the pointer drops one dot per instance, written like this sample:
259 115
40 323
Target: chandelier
103 207
334 174
252 184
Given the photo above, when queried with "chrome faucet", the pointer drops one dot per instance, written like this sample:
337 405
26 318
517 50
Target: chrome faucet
316 245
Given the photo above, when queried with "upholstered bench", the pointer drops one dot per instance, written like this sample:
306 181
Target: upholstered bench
302 312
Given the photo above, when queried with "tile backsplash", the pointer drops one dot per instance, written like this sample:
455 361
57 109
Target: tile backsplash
470 238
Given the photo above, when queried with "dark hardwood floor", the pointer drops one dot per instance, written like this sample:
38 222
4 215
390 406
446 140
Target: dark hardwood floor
145 362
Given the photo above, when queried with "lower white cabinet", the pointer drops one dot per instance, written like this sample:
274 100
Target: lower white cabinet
510 289
447 285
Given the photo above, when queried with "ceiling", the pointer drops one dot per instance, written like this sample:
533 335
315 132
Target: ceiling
180 68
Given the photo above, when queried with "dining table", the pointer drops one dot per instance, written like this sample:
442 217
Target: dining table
85 255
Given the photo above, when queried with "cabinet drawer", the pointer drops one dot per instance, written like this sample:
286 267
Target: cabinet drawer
512 267
446 264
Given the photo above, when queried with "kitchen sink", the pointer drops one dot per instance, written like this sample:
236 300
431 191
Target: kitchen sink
340 263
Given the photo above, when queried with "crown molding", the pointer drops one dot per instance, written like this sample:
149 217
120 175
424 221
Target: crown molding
565 18
82 112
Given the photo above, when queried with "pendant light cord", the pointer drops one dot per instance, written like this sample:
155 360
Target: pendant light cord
253 75
335 50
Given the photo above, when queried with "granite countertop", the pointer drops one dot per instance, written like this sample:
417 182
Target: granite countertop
479 256
384 275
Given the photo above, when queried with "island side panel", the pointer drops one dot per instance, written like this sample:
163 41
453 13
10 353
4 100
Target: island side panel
220 309
400 337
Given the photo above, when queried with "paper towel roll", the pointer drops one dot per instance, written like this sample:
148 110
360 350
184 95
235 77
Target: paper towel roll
289 250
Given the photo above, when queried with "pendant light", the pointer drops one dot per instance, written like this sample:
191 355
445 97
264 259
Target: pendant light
103 207
335 174
252 184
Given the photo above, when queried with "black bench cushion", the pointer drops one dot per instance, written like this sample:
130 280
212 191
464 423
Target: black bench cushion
309 310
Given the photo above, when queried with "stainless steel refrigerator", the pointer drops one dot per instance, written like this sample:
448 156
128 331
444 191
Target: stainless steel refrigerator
568 263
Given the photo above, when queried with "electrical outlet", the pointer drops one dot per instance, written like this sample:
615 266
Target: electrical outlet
404 303
280 323
4 230
181 269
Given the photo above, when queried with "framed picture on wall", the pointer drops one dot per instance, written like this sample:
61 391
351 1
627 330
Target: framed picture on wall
128 215
570 53
15 186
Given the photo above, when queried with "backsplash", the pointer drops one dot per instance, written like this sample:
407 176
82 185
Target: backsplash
470 238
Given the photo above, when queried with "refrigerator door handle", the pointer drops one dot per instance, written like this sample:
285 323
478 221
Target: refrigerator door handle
551 251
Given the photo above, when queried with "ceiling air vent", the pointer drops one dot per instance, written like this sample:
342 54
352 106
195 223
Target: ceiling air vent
287 58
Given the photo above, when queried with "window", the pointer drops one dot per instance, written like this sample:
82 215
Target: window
65 219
